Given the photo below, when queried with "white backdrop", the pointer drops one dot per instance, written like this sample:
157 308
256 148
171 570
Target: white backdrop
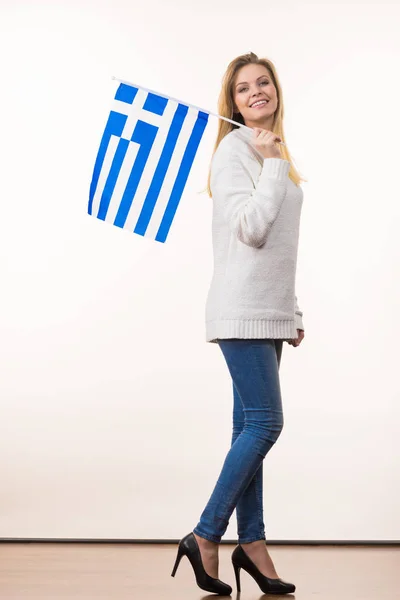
115 413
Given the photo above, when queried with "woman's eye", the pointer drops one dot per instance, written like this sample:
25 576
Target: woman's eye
261 82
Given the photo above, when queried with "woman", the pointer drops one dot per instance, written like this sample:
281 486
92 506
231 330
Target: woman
251 310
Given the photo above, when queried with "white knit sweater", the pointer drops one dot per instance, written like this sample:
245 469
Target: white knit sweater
255 233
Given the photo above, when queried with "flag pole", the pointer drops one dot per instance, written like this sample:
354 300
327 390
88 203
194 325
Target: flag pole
187 103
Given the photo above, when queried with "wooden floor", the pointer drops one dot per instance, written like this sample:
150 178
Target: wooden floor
143 572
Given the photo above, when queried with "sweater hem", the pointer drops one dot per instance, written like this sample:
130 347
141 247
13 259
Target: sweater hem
250 329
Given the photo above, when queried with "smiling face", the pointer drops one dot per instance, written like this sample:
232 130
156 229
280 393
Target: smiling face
253 84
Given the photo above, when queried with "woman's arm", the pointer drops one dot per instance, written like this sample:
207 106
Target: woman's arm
249 211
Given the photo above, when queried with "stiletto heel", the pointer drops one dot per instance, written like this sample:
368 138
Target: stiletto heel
188 546
178 560
241 560
237 575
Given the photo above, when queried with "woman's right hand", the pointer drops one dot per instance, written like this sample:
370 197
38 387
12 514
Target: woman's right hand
265 143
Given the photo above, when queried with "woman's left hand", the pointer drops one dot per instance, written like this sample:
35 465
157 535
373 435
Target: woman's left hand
298 340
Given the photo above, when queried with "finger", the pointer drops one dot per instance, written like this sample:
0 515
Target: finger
263 132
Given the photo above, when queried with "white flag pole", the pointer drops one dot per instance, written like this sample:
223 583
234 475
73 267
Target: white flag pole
187 103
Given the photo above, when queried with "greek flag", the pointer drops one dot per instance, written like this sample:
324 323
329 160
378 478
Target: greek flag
144 159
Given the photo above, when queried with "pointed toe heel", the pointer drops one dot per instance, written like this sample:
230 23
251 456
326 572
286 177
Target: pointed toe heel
240 560
188 546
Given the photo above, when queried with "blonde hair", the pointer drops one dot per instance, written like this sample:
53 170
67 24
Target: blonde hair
226 109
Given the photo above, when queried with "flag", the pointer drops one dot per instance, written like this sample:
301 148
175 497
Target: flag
146 152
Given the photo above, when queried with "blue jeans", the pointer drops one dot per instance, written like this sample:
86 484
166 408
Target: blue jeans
257 424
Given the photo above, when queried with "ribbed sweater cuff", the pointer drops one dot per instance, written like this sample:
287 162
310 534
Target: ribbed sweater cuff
298 321
275 167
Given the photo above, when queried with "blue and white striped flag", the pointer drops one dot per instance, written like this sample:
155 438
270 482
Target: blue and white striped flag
145 156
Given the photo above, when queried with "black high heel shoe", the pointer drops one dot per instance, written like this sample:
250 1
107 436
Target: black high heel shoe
241 560
189 546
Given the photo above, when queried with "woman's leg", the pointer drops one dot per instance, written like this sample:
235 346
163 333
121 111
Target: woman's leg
253 365
249 509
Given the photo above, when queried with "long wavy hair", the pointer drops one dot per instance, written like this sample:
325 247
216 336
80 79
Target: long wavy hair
226 109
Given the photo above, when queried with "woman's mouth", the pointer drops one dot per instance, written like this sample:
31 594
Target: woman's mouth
259 104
